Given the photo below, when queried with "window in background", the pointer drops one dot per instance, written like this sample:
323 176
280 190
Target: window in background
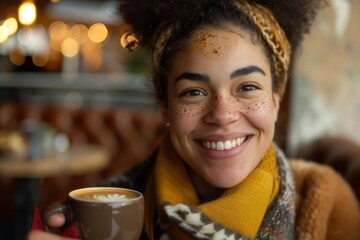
326 84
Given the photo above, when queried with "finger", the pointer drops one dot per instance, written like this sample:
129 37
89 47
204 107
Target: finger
40 235
56 220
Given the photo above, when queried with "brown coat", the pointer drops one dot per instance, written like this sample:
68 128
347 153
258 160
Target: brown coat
326 207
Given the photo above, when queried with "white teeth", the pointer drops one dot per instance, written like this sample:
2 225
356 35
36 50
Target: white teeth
220 146
228 145
213 145
223 145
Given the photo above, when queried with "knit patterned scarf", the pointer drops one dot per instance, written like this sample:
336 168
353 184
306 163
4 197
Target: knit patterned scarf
240 213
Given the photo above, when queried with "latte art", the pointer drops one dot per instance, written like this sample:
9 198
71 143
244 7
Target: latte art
110 197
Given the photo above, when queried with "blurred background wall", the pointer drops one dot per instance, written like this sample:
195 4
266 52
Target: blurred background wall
325 99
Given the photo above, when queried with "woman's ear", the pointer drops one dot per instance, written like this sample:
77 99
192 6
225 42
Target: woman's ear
276 99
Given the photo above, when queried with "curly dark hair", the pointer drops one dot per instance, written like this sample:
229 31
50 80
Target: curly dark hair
295 18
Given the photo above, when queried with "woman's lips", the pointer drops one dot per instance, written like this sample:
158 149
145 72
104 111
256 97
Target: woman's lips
223 145
223 149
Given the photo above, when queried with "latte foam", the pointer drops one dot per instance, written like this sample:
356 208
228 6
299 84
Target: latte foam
104 194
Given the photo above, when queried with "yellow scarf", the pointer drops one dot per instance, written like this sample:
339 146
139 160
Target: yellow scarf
240 209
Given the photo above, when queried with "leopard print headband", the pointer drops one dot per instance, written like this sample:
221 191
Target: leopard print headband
272 33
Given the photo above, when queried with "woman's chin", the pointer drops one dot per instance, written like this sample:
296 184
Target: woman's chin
226 181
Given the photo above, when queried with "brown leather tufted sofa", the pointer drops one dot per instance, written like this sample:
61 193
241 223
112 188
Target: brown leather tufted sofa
129 134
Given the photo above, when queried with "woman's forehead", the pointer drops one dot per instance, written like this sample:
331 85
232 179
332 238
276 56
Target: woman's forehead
214 42
219 45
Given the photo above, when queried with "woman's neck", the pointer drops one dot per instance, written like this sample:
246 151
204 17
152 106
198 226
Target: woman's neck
205 190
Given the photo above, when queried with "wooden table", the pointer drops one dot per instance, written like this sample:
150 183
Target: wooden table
75 161
27 173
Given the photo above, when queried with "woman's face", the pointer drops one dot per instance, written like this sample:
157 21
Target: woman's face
222 110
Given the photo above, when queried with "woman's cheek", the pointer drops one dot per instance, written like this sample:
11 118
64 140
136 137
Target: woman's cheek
186 116
259 111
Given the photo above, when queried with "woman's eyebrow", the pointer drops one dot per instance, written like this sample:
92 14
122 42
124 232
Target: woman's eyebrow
205 78
247 70
193 77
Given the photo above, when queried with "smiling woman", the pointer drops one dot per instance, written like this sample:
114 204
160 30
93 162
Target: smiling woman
220 69
218 105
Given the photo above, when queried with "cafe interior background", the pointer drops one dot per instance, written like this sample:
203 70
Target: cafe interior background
66 84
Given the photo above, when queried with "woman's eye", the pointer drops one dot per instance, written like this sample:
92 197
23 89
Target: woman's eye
193 92
248 87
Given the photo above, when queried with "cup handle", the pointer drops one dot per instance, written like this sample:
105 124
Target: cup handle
57 207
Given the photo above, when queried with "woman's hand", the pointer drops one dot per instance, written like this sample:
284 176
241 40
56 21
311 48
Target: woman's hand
54 221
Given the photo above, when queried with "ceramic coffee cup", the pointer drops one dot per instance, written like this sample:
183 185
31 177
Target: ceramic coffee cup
102 213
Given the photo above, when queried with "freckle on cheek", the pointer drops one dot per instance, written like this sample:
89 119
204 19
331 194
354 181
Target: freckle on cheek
187 111
267 103
262 105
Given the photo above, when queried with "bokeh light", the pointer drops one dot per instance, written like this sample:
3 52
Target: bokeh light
4 33
70 47
17 56
40 59
27 13
58 31
25 34
11 25
98 32
79 32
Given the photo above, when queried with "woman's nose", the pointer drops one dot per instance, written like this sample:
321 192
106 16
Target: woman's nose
222 111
